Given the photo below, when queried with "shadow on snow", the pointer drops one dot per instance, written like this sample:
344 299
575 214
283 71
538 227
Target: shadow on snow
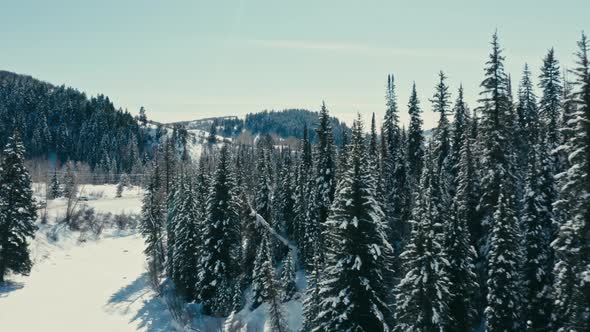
153 316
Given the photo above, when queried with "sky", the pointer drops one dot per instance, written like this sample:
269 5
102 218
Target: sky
185 60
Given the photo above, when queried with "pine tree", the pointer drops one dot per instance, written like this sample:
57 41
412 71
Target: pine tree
503 310
312 300
422 296
550 103
572 245
221 253
260 274
187 244
442 135
288 278
390 121
353 290
284 199
302 194
152 222
373 147
461 123
415 152
17 210
495 136
537 225
342 154
201 190
54 187
324 183
463 306
172 214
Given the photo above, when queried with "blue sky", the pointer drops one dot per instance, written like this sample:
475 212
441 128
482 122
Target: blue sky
190 59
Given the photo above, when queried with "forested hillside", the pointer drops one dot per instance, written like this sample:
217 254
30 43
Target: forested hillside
285 123
62 121
289 122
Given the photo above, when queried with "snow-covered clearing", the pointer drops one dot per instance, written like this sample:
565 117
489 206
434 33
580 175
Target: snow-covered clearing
96 285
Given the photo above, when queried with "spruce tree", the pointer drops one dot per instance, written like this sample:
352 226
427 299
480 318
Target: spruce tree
302 198
415 152
221 252
152 222
464 288
54 186
423 294
537 225
324 182
442 134
353 290
503 309
312 299
265 287
288 278
495 127
550 102
188 242
18 212
172 214
461 123
283 201
572 245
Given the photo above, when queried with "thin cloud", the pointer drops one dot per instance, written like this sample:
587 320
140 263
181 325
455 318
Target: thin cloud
365 49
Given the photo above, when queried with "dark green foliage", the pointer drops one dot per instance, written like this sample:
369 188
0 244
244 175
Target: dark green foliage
17 210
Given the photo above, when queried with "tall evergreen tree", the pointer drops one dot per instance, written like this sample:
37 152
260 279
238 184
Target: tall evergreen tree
495 106
550 102
302 193
288 278
18 212
461 123
221 253
188 242
312 300
324 182
442 135
353 291
152 221
463 306
284 199
537 226
503 310
572 245
262 269
415 152
422 296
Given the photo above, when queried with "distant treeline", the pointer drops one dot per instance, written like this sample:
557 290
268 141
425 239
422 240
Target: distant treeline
63 122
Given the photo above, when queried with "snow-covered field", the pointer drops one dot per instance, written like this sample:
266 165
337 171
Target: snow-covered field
96 285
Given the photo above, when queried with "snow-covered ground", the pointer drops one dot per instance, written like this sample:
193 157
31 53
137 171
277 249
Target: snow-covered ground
96 285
